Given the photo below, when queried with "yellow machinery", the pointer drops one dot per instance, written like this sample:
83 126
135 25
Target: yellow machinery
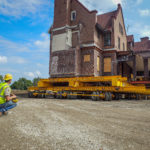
97 88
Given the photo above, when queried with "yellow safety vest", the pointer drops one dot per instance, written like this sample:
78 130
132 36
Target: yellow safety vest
3 86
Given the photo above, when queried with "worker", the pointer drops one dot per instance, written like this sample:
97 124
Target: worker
6 97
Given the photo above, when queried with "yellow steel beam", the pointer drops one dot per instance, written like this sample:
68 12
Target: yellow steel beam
119 84
85 79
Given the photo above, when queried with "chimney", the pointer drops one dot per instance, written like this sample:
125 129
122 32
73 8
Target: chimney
68 9
119 6
144 39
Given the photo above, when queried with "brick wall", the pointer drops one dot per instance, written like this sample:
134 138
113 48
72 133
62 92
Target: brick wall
87 19
63 63
87 68
98 54
70 62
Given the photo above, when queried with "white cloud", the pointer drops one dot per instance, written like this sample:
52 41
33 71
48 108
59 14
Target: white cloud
139 1
3 59
145 31
38 73
101 6
139 30
30 74
7 45
33 74
17 60
144 12
43 44
117 2
20 8
39 65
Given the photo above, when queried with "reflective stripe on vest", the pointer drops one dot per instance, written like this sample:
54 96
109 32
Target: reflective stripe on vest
3 86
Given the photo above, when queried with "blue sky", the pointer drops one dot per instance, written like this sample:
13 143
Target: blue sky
24 25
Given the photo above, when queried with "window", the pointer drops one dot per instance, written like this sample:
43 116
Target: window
107 64
120 29
107 39
73 15
119 42
98 65
123 47
86 58
98 34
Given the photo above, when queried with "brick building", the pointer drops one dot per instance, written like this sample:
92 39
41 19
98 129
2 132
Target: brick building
142 49
86 44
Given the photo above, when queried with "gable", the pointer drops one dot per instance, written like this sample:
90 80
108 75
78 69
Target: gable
120 20
120 37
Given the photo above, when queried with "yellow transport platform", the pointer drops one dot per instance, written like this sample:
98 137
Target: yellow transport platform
102 87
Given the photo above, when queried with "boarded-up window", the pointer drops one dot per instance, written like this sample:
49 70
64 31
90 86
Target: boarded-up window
86 58
107 64
98 65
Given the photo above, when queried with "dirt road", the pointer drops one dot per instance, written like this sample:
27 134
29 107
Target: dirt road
48 124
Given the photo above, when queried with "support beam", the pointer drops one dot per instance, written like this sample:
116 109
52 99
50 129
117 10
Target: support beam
134 67
146 72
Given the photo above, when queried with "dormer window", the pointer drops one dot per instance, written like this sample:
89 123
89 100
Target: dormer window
107 39
73 15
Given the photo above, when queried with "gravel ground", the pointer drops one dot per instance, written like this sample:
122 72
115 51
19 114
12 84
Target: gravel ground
48 124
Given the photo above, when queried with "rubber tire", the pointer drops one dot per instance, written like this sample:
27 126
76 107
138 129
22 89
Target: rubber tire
107 96
94 97
30 95
98 98
110 96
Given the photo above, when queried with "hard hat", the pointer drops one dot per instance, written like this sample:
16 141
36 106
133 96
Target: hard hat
8 77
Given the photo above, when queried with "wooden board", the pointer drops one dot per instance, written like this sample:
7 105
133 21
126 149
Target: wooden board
86 58
98 65
107 64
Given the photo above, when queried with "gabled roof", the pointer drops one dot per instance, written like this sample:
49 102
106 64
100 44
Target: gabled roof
144 45
105 19
130 38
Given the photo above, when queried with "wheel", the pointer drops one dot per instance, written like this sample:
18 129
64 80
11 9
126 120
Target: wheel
59 95
68 96
42 95
73 96
108 96
94 98
116 96
97 98
39 96
137 96
30 95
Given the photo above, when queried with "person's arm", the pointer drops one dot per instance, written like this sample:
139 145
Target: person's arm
8 98
8 94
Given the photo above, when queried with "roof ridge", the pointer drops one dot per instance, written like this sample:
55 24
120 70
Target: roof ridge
107 13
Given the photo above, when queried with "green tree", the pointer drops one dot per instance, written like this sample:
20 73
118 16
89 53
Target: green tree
35 81
22 84
1 78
